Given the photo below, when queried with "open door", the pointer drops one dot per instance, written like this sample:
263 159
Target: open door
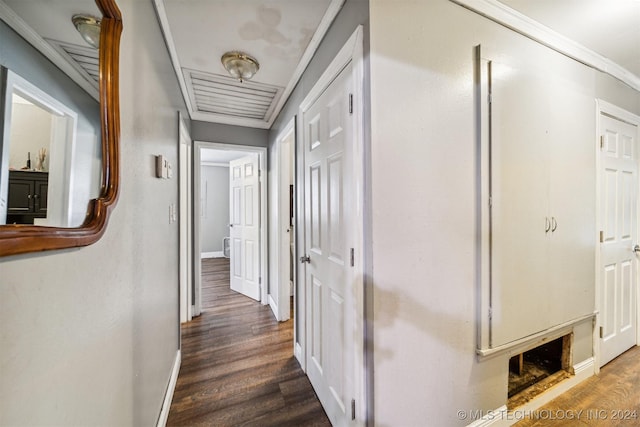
244 193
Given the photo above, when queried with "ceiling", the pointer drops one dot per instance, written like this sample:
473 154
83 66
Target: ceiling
283 36
608 27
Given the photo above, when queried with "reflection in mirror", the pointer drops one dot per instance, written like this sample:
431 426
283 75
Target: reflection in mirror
50 153
61 194
37 184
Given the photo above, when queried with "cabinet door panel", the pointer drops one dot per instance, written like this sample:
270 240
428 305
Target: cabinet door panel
572 194
20 194
520 193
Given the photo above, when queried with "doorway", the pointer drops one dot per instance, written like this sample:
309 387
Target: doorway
213 200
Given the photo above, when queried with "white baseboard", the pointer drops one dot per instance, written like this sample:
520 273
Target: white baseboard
502 417
218 254
168 396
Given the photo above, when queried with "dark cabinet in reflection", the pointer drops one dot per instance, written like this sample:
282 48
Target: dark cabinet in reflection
27 196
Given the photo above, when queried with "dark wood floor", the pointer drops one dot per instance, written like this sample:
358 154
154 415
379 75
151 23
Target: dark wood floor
609 399
238 367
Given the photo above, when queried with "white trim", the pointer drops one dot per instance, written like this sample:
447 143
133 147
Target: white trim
262 152
215 164
186 237
279 221
611 110
161 12
307 56
494 417
352 52
520 345
327 19
33 38
217 254
168 396
522 24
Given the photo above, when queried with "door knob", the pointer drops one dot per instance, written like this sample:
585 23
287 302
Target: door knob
305 258
636 248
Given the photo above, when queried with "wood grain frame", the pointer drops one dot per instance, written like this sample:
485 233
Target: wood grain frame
18 239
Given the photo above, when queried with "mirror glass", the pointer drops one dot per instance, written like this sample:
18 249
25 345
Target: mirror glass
50 147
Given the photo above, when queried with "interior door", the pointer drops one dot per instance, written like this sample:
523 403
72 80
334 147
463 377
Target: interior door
519 200
619 225
244 193
327 133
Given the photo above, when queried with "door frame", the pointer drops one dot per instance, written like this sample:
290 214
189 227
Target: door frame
352 52
279 221
197 244
608 109
186 212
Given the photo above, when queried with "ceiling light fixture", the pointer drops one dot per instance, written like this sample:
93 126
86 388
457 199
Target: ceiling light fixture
240 65
89 28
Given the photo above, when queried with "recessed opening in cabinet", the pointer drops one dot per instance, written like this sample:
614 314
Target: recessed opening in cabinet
536 370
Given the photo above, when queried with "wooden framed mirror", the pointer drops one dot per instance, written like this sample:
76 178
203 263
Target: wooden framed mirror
21 238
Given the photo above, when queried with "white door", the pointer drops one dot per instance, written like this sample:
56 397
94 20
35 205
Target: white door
328 209
244 192
619 218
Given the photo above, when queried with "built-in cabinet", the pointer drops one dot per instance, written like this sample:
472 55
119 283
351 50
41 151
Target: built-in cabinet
539 235
27 196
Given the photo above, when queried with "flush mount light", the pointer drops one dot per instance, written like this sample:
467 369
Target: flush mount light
89 28
240 65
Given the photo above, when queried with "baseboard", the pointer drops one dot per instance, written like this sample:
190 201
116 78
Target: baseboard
274 307
502 417
168 396
218 254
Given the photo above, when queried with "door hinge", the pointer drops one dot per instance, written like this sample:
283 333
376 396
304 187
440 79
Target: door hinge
489 98
350 103
490 313
259 280
353 258
601 142
353 409
490 201
601 332
602 237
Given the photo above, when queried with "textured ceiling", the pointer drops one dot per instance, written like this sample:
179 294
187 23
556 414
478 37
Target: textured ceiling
277 33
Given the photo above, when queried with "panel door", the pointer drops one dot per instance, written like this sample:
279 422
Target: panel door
572 197
327 141
619 223
519 191
244 193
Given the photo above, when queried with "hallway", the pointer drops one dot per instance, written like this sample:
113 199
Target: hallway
237 364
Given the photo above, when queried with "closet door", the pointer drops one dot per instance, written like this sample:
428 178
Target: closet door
519 191
572 194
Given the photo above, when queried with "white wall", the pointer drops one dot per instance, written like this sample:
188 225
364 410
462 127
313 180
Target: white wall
89 336
423 207
30 131
214 189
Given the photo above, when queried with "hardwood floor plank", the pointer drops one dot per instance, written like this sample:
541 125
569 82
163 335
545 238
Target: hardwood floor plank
237 364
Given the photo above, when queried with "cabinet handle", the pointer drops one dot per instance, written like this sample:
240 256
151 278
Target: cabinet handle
554 224
547 225
28 196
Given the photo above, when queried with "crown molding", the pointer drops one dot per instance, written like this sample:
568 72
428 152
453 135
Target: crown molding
522 24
